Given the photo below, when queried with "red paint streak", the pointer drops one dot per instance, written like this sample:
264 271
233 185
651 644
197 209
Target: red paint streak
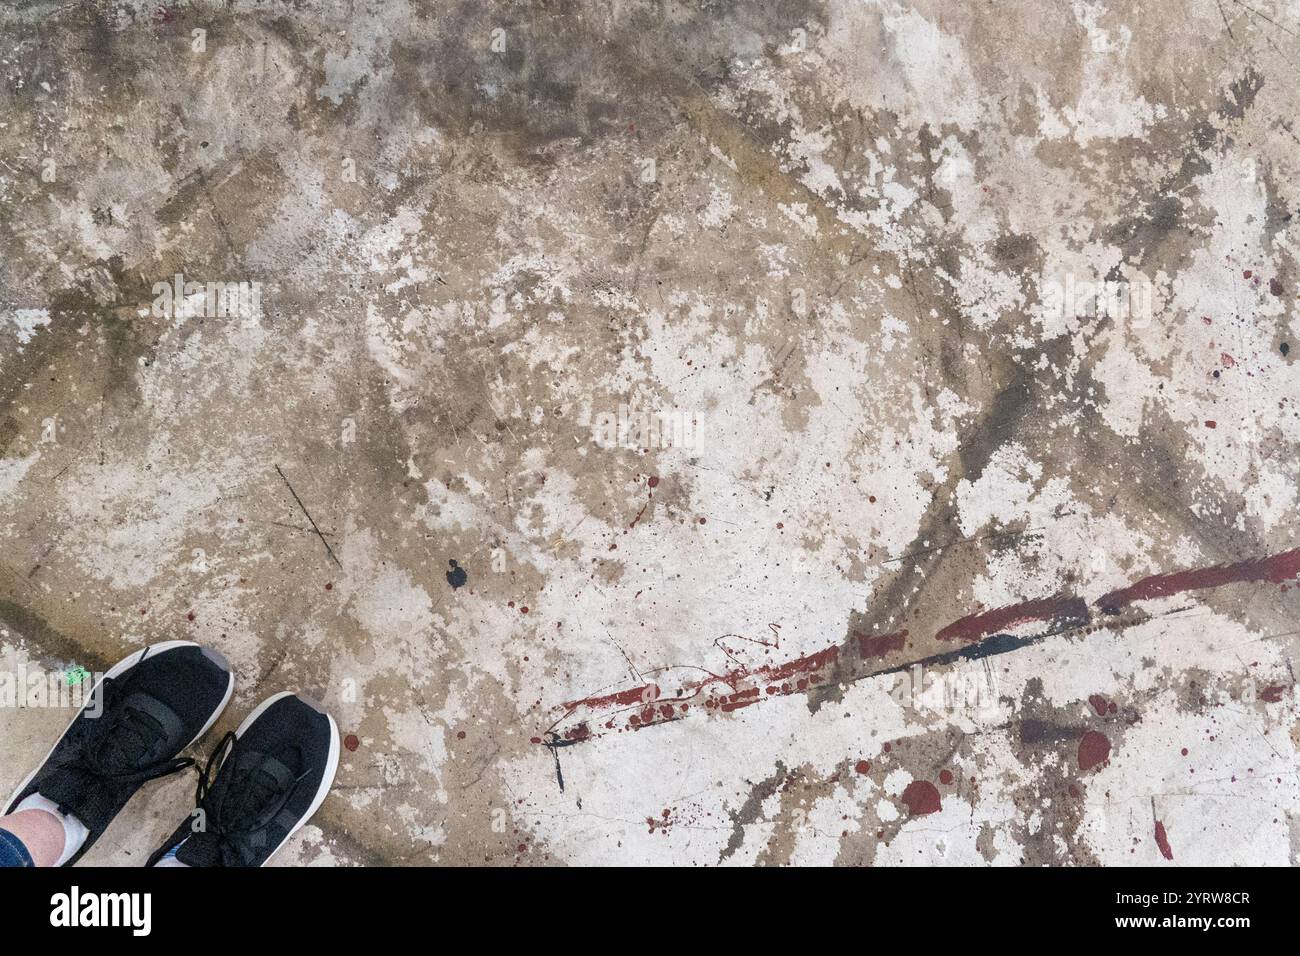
1094 750
1272 694
1162 841
777 679
747 686
921 797
1276 569
879 645
742 698
622 698
975 626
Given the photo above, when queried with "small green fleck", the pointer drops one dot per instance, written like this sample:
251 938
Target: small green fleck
75 675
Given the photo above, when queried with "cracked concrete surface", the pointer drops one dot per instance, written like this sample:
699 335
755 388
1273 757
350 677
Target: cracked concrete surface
866 430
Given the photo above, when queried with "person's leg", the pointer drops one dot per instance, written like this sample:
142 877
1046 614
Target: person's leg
49 835
13 851
31 838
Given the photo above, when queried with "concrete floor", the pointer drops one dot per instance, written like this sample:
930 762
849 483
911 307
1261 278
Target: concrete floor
825 246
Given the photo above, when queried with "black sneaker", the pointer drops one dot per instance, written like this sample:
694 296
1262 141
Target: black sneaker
270 776
147 709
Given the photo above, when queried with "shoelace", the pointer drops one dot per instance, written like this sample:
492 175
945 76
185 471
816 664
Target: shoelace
227 825
117 740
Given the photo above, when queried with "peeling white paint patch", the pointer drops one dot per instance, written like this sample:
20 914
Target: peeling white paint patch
25 323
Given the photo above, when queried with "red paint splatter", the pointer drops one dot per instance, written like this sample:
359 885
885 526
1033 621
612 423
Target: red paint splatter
945 777
921 797
1094 750
351 742
1162 841
653 481
1273 693
863 767
580 732
813 670
1275 286
190 616
1099 704
1211 423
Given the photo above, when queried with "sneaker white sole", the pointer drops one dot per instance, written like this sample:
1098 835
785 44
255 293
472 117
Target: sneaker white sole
331 762
122 667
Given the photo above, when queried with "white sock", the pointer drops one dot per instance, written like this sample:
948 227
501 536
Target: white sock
74 831
170 858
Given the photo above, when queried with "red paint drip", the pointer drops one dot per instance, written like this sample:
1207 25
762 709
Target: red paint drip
1094 750
921 797
1162 841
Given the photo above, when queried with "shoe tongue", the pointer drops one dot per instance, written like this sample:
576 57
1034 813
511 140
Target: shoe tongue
259 781
136 734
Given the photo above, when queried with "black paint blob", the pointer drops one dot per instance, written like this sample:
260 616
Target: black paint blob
456 577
